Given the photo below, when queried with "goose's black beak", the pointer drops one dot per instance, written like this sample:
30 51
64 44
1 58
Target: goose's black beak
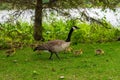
77 28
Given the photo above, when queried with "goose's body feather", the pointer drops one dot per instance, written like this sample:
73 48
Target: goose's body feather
55 45
58 45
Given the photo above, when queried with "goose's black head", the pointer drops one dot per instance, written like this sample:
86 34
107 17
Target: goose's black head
75 27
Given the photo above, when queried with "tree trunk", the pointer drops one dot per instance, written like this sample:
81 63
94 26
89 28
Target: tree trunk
38 22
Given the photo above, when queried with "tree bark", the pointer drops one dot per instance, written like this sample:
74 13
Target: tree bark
38 22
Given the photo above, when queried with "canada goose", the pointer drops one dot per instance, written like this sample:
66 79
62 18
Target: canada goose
18 45
33 45
99 51
69 49
78 52
56 46
10 52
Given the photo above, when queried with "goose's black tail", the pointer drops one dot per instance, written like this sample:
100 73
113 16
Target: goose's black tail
40 47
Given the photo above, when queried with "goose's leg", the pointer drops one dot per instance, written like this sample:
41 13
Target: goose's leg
51 55
57 55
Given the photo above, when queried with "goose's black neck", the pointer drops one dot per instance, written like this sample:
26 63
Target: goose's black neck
69 35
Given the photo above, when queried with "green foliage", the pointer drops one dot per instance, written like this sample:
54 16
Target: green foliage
4 6
22 32
96 33
87 33
57 29
16 32
45 1
30 4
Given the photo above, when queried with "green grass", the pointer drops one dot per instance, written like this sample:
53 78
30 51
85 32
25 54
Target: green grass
32 66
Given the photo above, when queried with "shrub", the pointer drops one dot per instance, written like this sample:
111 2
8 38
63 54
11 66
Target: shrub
22 32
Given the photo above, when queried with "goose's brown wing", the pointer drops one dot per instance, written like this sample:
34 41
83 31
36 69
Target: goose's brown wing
57 45
56 42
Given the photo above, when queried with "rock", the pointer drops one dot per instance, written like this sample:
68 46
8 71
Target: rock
15 61
62 77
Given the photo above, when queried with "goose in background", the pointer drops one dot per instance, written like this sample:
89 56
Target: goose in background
99 52
10 52
78 52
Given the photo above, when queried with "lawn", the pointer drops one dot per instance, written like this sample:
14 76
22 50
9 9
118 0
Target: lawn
28 65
